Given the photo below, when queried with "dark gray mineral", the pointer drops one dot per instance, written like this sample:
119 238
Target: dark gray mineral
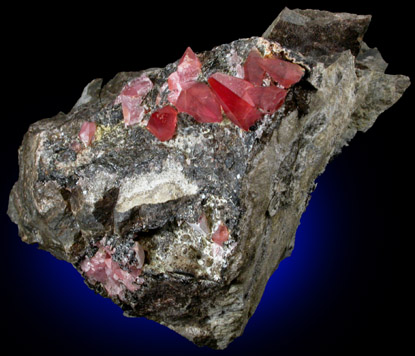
136 215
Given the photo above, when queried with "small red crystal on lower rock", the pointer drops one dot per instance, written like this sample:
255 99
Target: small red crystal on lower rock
221 234
87 132
200 102
231 92
268 99
162 123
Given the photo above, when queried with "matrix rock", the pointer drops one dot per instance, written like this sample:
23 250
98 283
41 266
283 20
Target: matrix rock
177 191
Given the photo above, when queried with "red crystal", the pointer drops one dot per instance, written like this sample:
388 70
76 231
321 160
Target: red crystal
187 72
254 73
87 132
268 99
200 102
232 93
131 98
162 123
283 72
221 234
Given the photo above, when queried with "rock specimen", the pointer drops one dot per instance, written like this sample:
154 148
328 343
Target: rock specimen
177 191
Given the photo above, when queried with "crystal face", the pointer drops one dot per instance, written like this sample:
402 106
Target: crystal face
253 70
237 105
268 99
162 123
283 72
87 132
131 98
221 235
188 70
200 102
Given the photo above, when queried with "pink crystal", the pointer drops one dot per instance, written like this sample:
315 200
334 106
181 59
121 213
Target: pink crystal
200 102
201 226
132 111
221 234
162 123
254 73
103 269
187 72
87 132
283 72
131 97
235 62
268 99
232 94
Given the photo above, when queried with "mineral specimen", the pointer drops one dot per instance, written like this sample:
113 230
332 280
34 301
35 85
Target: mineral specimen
176 192
131 97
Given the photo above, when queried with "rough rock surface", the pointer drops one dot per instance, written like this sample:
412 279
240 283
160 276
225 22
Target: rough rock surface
128 189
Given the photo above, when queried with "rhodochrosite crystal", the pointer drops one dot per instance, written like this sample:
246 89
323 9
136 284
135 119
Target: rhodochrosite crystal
237 105
253 70
162 123
200 102
87 132
283 72
268 99
177 191
131 97
101 268
221 235
186 74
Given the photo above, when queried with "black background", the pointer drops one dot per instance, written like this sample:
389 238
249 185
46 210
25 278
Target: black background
50 53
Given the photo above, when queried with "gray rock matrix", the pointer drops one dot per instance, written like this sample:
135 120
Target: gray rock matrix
128 186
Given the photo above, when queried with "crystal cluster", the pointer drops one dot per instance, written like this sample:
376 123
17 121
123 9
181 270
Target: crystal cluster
244 101
102 268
